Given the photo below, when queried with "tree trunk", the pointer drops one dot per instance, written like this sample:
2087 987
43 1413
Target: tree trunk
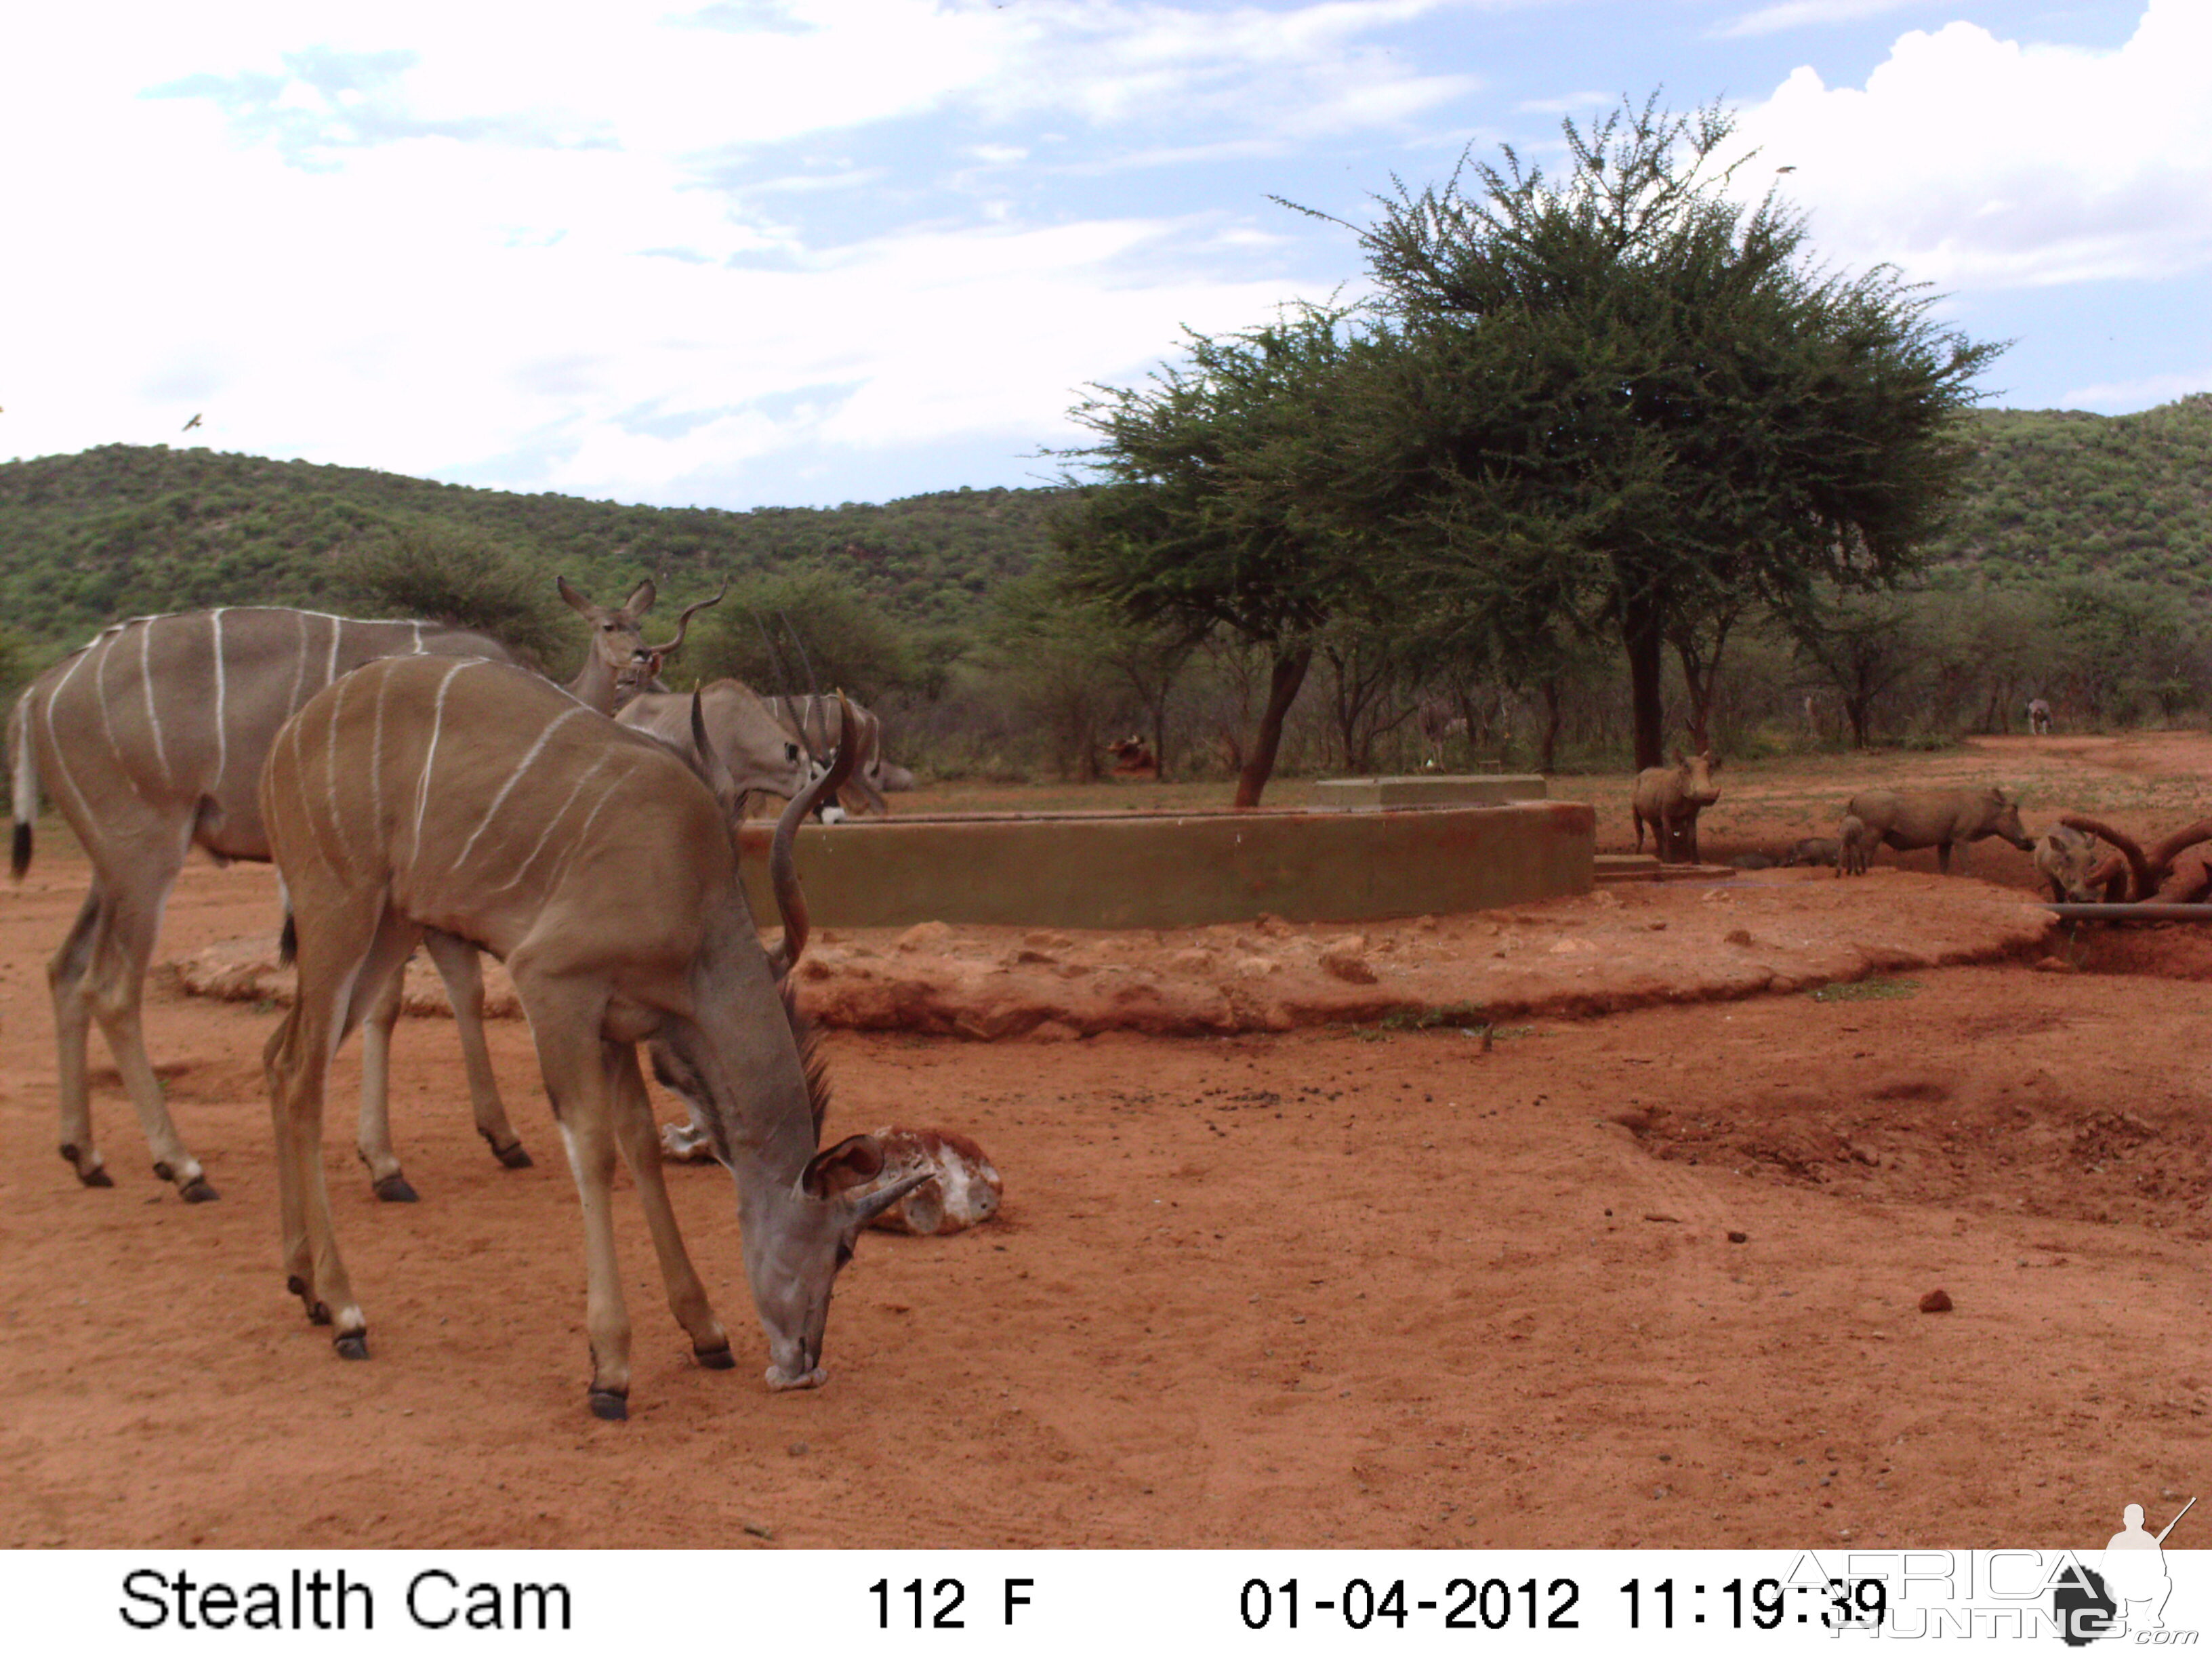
1549 753
1701 677
1284 679
1645 638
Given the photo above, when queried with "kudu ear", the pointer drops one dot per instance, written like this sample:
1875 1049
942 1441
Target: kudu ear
577 602
853 1162
726 793
641 599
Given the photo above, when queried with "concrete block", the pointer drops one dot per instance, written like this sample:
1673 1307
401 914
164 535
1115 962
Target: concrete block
1130 870
1431 789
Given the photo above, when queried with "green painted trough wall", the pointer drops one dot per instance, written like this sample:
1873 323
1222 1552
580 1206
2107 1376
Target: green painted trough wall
1130 870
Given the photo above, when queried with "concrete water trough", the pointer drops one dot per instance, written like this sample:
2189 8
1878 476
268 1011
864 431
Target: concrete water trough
1182 869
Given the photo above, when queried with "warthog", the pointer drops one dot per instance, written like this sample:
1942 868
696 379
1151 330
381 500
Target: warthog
1813 850
1854 842
1940 818
2066 858
1670 799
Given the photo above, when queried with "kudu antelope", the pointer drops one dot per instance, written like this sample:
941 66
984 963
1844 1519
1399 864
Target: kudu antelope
469 797
151 739
760 754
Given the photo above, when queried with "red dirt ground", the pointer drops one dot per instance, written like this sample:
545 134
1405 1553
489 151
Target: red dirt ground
1333 1286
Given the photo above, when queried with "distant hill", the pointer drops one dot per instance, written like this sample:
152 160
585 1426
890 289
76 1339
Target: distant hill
2057 493
122 531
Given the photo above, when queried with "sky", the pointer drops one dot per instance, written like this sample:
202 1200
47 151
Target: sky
800 252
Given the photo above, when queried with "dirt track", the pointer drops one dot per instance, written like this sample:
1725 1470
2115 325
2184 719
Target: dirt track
1335 1287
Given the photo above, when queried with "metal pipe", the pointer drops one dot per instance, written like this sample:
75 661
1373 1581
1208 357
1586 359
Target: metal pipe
2131 912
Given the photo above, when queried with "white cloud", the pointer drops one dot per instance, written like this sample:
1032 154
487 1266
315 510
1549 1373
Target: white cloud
586 251
2122 396
1976 163
1802 14
1569 105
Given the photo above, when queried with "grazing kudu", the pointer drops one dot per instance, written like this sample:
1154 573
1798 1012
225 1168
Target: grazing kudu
471 797
151 740
759 752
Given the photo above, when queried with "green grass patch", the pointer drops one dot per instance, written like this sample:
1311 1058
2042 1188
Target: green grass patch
1865 990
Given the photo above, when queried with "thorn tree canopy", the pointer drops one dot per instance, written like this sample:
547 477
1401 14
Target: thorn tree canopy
1627 392
1215 511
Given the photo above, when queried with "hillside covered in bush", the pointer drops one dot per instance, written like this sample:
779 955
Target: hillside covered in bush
122 531
2059 493
2078 568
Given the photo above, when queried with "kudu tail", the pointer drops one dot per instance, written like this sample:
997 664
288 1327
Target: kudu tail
24 803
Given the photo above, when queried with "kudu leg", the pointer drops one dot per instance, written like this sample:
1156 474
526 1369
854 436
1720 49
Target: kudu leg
457 963
641 1147
66 976
374 1137
114 986
346 953
566 1026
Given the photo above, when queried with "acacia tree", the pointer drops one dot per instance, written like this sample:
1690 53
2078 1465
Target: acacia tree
1215 512
1627 394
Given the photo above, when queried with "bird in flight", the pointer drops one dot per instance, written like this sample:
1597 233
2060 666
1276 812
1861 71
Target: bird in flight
190 424
1792 167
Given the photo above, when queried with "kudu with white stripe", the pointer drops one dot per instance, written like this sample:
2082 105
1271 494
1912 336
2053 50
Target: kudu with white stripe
149 740
469 797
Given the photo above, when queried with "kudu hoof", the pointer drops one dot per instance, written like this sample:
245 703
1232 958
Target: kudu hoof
95 1176
610 1407
354 1346
197 1191
516 1157
394 1189
715 1360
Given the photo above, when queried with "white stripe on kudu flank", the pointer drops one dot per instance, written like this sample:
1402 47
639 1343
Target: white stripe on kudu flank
531 858
430 754
106 723
146 680
513 778
54 742
331 774
221 734
330 668
376 758
299 667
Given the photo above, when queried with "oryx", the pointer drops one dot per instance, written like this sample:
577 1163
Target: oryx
151 739
819 725
471 797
